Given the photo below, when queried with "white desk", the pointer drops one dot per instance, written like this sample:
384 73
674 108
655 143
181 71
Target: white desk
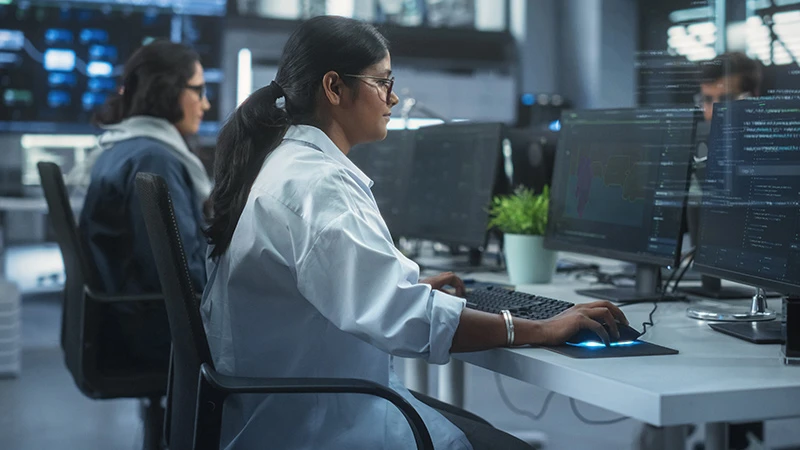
715 378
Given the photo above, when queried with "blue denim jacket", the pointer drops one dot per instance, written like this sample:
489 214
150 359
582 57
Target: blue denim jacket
112 226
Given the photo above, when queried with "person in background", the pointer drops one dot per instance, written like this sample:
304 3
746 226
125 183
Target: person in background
728 77
303 277
160 103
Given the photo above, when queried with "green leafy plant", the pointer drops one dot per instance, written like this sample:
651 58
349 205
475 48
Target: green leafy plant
523 212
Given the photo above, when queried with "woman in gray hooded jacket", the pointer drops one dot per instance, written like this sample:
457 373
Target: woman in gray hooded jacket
160 102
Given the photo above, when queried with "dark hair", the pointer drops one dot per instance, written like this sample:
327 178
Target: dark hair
152 83
319 45
734 63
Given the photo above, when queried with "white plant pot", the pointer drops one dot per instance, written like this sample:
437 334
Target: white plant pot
527 261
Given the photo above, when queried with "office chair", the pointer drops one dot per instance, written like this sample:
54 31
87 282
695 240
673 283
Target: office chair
83 313
197 391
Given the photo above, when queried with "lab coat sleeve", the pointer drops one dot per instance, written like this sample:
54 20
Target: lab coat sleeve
354 277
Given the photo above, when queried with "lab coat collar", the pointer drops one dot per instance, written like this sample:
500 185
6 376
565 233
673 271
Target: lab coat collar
316 138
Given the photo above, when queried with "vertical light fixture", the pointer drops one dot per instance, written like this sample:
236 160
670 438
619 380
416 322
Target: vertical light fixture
244 76
344 8
720 20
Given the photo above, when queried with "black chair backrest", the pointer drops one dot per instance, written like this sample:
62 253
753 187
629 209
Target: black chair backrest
189 343
76 265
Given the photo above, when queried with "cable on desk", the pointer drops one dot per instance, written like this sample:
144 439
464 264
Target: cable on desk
650 318
583 418
601 277
680 271
507 401
575 267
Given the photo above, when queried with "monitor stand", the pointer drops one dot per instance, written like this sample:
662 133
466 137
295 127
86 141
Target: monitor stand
647 289
712 288
758 311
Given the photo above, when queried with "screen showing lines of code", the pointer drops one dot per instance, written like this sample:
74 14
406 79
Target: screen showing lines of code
750 217
620 182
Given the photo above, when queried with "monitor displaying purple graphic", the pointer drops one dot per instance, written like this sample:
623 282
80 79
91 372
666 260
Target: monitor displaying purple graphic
619 183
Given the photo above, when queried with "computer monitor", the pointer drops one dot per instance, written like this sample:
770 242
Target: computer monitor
388 164
66 151
709 287
59 61
451 182
619 188
528 157
750 211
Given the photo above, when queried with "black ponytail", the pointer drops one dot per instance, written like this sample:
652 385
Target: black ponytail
257 127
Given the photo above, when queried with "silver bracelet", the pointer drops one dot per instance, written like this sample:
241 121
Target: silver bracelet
509 327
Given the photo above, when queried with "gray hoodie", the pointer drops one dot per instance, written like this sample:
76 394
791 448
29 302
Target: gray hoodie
150 127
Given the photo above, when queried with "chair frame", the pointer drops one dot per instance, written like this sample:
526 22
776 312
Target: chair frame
83 310
211 387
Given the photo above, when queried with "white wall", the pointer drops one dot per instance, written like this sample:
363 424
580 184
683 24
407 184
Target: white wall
581 49
480 96
538 46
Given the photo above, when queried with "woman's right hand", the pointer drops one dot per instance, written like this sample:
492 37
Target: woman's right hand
556 330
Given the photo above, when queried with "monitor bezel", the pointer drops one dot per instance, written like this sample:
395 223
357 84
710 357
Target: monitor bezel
553 243
752 280
500 127
407 138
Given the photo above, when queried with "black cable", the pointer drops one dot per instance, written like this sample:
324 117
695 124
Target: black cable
507 401
683 271
665 287
681 268
573 267
650 317
583 419
601 277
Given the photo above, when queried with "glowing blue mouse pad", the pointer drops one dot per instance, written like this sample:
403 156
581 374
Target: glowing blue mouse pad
588 350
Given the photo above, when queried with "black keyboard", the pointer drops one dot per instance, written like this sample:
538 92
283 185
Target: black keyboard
493 299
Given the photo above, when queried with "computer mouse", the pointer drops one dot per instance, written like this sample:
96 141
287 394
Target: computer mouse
626 333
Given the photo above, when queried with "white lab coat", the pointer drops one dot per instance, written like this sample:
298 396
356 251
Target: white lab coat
312 286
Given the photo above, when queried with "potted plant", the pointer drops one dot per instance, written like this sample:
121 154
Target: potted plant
522 217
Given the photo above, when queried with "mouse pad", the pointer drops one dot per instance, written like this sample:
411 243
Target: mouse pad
637 348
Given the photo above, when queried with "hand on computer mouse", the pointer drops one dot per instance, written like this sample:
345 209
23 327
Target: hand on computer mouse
556 330
438 282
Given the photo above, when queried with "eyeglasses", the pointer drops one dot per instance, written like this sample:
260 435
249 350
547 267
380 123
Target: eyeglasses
200 89
385 83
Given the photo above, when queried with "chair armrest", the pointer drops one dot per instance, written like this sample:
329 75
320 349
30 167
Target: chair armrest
249 385
116 298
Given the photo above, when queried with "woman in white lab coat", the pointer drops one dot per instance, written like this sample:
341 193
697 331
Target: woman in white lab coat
303 277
